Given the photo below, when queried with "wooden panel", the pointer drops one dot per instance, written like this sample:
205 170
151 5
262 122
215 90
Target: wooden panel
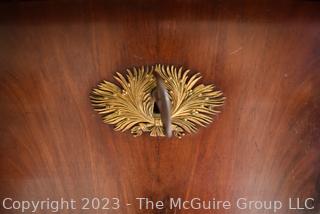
264 55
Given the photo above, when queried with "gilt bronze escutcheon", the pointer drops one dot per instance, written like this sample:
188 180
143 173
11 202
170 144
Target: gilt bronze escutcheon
158 99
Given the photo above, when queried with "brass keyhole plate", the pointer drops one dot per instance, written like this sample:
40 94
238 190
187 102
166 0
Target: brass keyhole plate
129 105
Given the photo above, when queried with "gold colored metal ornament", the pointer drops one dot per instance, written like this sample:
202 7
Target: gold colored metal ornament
131 106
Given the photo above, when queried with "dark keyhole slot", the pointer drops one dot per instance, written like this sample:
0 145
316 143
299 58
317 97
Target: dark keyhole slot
156 109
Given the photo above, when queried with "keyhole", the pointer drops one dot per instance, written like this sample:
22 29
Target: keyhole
156 109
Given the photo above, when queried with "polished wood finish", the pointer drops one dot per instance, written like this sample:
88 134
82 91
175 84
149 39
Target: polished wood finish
264 55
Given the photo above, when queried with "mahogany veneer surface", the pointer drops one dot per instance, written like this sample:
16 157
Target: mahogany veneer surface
264 55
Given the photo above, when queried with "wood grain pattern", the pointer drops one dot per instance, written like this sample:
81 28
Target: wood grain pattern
264 55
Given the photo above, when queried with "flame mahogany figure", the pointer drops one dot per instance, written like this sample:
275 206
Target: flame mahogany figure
264 145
